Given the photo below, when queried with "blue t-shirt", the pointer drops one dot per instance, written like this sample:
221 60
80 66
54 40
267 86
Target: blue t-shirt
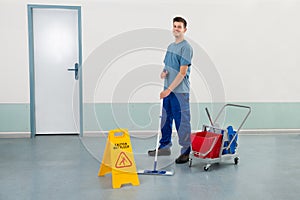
178 55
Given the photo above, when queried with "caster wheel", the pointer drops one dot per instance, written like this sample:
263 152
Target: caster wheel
236 160
190 162
206 168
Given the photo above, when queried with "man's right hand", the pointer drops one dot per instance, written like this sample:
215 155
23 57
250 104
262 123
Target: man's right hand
164 74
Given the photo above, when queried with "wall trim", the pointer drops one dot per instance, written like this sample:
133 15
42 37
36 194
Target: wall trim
152 133
15 135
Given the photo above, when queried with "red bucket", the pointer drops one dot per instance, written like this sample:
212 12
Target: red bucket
206 144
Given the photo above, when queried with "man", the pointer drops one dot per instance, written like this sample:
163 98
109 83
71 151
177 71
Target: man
176 94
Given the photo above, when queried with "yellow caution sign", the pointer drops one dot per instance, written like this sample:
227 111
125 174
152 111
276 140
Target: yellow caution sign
118 159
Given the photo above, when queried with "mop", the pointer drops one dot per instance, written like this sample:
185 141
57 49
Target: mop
211 122
155 171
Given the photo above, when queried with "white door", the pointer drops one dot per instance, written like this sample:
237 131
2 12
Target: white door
55 49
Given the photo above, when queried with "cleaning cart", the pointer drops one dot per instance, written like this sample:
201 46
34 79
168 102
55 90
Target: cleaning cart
215 144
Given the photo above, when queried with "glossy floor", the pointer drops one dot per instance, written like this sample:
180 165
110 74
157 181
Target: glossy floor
66 167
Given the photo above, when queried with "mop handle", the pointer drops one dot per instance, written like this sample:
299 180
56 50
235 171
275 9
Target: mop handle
157 144
158 131
211 122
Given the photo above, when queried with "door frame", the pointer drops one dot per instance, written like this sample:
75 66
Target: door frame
30 8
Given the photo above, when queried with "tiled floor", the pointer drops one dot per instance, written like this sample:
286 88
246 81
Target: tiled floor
66 167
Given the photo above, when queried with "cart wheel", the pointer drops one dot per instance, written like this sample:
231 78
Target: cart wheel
190 162
206 168
236 160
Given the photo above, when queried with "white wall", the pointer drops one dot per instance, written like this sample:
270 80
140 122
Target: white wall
253 44
14 81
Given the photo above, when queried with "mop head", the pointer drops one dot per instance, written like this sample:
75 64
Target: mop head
156 172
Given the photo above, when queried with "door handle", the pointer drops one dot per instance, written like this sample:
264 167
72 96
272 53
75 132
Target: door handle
75 70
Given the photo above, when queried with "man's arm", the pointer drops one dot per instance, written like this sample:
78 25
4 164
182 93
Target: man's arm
178 79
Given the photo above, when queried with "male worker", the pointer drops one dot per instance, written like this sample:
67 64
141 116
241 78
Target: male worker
176 94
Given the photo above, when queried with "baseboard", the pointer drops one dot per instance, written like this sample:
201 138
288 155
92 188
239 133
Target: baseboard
14 134
152 133
149 133
133 133
269 131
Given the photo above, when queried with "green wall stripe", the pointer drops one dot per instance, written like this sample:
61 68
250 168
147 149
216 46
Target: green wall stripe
274 116
145 116
14 117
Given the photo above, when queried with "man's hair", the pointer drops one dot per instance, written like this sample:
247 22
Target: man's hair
180 19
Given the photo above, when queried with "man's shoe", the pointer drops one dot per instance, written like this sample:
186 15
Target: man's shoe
183 158
161 152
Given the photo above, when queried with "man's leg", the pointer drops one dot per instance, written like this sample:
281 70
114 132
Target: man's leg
181 113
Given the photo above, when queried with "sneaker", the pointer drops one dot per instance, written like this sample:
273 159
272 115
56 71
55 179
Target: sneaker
161 152
183 158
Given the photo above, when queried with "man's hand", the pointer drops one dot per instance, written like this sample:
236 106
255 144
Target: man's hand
165 93
164 74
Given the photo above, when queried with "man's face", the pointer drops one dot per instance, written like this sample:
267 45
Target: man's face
178 29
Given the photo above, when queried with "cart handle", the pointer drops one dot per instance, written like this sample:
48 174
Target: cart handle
238 106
